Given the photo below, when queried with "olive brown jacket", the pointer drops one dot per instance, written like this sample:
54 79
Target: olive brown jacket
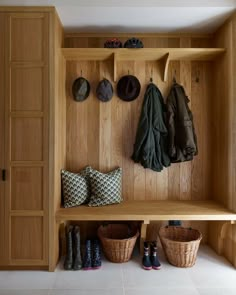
181 133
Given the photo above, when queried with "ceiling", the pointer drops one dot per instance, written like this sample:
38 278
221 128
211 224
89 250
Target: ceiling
142 16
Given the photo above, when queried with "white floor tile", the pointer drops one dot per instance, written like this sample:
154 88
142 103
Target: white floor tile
27 280
134 276
88 292
108 277
24 292
162 291
212 270
216 291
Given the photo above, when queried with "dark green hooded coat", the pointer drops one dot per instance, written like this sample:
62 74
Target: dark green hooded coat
182 137
150 148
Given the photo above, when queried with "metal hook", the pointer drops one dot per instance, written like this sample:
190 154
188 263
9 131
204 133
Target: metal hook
174 77
128 72
81 73
151 75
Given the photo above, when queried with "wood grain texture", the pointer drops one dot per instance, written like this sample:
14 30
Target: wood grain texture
26 137
224 129
57 132
26 239
3 226
149 211
27 188
111 126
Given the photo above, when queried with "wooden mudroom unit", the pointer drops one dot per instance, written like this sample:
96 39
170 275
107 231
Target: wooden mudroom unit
44 130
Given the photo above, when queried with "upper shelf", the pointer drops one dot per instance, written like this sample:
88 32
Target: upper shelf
142 53
165 55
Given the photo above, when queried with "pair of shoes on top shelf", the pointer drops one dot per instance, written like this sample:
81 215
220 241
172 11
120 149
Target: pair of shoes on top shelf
73 255
150 259
92 257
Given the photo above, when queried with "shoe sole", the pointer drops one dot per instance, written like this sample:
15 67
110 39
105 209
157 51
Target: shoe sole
96 267
147 268
156 267
87 268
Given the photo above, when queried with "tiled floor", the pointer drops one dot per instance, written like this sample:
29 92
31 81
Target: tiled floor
212 275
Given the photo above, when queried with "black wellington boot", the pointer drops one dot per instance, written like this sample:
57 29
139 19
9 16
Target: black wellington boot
87 263
154 259
69 251
146 257
77 264
96 255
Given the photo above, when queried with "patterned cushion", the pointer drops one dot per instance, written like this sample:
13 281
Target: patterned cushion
76 189
105 188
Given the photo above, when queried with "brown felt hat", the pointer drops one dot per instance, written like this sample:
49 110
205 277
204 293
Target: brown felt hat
128 88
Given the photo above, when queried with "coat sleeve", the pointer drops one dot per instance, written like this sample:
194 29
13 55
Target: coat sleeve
171 125
141 135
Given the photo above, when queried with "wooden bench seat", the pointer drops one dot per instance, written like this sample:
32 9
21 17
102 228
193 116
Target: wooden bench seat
147 211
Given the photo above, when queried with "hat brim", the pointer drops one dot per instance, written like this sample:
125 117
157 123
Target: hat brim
128 96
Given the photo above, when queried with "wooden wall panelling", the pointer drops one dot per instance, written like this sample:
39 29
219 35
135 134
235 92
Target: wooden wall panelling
140 184
174 169
2 148
26 135
128 135
77 132
178 181
185 80
223 108
233 130
105 126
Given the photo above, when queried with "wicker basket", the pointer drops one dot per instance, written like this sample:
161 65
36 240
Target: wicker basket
118 241
180 245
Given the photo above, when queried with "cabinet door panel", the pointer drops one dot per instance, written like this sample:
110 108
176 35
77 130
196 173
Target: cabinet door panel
26 139
27 37
26 238
2 150
26 188
26 89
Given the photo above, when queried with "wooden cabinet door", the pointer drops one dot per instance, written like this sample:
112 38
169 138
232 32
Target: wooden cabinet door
2 139
26 108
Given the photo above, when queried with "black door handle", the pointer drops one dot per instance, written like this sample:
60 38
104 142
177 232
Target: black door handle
3 174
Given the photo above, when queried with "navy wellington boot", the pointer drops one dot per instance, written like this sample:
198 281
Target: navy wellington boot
154 259
87 263
146 262
96 255
69 250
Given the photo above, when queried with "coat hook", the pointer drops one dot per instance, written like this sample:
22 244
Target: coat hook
81 73
174 77
128 72
151 76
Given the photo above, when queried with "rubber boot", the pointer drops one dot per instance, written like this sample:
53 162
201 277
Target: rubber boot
96 255
77 264
154 259
87 257
147 265
69 251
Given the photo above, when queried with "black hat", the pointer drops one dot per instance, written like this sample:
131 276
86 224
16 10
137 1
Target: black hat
80 89
104 90
128 88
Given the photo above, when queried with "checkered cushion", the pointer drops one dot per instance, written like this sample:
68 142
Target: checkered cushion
105 188
76 189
